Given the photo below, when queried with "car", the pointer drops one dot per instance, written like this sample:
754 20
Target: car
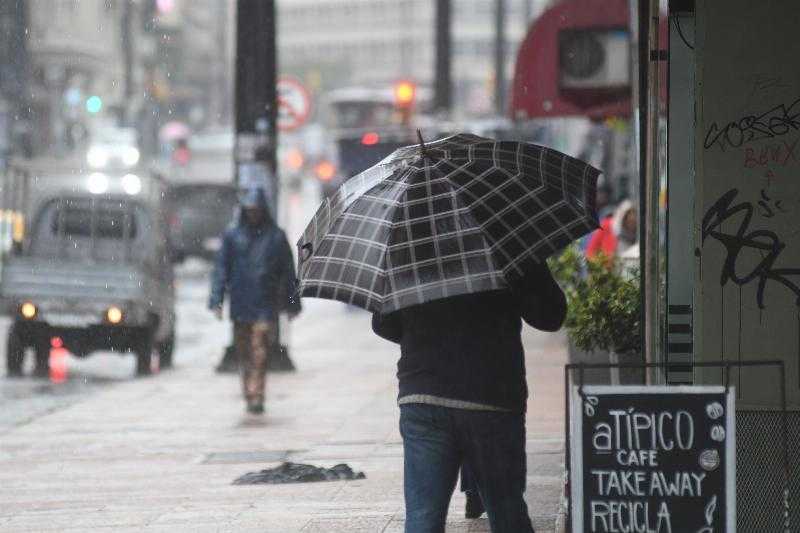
93 269
198 213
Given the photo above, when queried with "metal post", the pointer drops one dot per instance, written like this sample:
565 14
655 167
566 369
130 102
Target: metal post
500 57
127 57
651 189
443 59
256 112
256 115
567 450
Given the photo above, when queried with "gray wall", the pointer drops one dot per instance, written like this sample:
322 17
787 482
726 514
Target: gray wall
748 147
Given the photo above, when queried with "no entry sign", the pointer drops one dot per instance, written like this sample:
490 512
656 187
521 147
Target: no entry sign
652 459
294 104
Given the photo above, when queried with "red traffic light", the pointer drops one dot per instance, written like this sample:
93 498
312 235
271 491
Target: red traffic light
370 138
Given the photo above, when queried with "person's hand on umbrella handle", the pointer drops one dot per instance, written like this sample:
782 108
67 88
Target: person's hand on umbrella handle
305 252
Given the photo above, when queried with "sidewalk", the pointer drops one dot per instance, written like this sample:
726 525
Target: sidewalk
159 454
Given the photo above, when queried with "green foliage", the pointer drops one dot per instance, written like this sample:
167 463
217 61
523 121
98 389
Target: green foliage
603 303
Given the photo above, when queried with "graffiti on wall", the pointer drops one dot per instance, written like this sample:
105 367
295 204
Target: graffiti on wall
763 241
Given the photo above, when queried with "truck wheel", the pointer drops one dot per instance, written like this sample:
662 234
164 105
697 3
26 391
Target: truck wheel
42 351
143 348
165 350
15 352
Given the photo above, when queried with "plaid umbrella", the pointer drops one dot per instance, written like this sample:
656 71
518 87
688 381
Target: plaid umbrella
460 215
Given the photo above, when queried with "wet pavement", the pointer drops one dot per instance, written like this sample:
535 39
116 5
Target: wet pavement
161 453
24 399
111 452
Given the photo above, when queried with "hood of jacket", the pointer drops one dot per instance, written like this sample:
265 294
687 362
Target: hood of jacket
616 222
253 198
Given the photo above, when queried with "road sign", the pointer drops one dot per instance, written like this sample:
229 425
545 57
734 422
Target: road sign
294 104
653 459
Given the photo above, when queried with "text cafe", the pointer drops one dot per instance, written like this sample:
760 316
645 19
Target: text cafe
652 459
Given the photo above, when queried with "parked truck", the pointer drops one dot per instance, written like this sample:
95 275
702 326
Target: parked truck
85 263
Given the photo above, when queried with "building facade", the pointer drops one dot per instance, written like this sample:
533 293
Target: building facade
74 53
135 63
337 43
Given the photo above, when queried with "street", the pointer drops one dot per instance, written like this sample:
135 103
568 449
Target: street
108 451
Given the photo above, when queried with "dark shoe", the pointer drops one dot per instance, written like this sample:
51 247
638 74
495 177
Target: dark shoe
279 360
41 372
474 507
255 408
229 363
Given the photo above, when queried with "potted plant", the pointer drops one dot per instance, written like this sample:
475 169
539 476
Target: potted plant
603 304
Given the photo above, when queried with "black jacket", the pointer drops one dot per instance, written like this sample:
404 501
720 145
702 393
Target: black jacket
469 347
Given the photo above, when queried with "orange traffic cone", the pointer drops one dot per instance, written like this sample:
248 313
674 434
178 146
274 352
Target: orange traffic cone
58 360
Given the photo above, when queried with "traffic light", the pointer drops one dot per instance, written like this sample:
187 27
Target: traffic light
370 138
404 94
94 104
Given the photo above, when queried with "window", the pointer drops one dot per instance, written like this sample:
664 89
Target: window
74 219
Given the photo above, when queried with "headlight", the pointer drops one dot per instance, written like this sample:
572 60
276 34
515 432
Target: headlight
131 184
114 315
28 310
97 157
97 183
130 156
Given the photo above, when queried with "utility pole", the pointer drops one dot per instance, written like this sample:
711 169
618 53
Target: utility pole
256 113
443 88
500 57
127 58
650 189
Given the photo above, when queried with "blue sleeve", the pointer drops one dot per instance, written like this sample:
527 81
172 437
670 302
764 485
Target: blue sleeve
221 273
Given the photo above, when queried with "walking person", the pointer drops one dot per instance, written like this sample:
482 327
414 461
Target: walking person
255 267
446 244
463 395
616 234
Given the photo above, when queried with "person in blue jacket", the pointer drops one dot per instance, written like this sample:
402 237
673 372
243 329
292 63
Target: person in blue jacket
255 267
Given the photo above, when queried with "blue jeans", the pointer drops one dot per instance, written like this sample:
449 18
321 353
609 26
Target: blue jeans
436 440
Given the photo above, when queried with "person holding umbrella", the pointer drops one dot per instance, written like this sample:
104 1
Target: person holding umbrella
463 395
446 245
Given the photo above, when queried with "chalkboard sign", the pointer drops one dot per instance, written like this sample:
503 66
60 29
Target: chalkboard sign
652 459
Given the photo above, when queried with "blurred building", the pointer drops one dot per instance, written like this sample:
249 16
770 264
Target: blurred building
335 43
14 121
68 65
193 58
73 53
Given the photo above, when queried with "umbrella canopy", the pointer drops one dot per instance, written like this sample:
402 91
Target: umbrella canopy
174 130
461 215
